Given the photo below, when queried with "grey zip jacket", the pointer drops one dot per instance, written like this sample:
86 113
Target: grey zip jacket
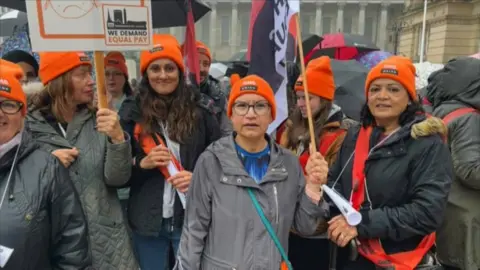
222 229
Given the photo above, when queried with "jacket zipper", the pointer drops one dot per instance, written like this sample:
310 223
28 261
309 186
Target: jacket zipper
275 194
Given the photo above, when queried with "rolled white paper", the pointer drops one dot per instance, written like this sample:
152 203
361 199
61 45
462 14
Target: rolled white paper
352 216
172 170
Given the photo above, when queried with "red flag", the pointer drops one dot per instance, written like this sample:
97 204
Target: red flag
190 56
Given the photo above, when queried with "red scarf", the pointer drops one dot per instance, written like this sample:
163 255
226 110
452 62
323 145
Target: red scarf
372 248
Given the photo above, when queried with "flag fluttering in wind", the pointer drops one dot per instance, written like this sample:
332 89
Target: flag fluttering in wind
190 55
272 41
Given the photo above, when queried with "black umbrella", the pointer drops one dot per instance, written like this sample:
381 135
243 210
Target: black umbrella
309 43
237 67
165 13
350 79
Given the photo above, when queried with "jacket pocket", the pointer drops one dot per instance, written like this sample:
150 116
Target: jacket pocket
212 263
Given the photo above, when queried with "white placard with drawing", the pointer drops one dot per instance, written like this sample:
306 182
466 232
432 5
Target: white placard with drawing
89 25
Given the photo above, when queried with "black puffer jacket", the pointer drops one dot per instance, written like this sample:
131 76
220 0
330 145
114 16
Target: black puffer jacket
408 181
457 86
41 217
212 98
145 209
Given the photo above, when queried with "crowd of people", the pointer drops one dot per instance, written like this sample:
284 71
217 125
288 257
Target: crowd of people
172 176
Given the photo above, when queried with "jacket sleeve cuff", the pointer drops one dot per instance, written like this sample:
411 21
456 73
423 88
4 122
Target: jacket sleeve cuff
312 207
126 136
362 227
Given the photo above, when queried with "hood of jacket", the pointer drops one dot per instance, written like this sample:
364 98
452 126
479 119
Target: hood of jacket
457 84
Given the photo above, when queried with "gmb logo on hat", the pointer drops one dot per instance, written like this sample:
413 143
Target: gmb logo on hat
5 86
83 57
113 62
201 50
389 69
249 86
157 48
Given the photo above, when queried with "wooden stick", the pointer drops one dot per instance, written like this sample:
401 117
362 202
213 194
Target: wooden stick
305 84
100 79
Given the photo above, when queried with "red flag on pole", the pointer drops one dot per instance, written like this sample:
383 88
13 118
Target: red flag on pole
190 55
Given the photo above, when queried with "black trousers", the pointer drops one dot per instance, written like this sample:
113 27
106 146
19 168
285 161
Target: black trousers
313 254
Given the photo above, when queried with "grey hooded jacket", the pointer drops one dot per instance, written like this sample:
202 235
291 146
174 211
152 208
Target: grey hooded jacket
100 167
222 229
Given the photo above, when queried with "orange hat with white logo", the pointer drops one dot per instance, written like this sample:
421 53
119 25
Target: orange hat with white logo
397 68
319 78
55 64
164 46
252 84
116 60
203 49
13 68
11 88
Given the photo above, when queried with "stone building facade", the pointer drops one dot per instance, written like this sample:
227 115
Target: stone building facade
452 29
225 28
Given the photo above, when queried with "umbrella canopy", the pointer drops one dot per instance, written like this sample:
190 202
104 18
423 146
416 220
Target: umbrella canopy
238 67
344 46
165 13
10 21
371 59
218 70
350 79
477 55
310 43
424 70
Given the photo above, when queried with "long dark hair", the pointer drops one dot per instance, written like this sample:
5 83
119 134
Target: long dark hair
299 125
413 109
177 110
127 88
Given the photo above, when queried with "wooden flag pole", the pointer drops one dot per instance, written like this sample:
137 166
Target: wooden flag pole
305 84
100 79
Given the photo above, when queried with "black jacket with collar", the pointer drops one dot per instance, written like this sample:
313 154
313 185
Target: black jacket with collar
41 217
145 209
408 182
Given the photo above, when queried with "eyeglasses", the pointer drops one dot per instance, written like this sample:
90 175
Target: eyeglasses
260 108
113 74
10 106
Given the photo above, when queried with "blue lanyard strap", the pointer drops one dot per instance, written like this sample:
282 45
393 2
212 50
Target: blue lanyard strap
269 228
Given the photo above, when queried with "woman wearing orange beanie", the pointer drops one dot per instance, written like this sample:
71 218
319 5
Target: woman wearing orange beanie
89 142
396 171
116 78
166 127
313 252
42 221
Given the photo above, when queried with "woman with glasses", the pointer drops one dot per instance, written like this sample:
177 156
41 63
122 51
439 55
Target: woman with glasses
42 222
116 77
247 192
168 130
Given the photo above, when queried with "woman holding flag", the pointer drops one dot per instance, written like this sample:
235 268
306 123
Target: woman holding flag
169 132
313 252
396 170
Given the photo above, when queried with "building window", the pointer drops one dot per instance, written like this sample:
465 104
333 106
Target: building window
427 37
205 32
245 28
326 25
306 20
181 34
369 28
225 28
347 24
